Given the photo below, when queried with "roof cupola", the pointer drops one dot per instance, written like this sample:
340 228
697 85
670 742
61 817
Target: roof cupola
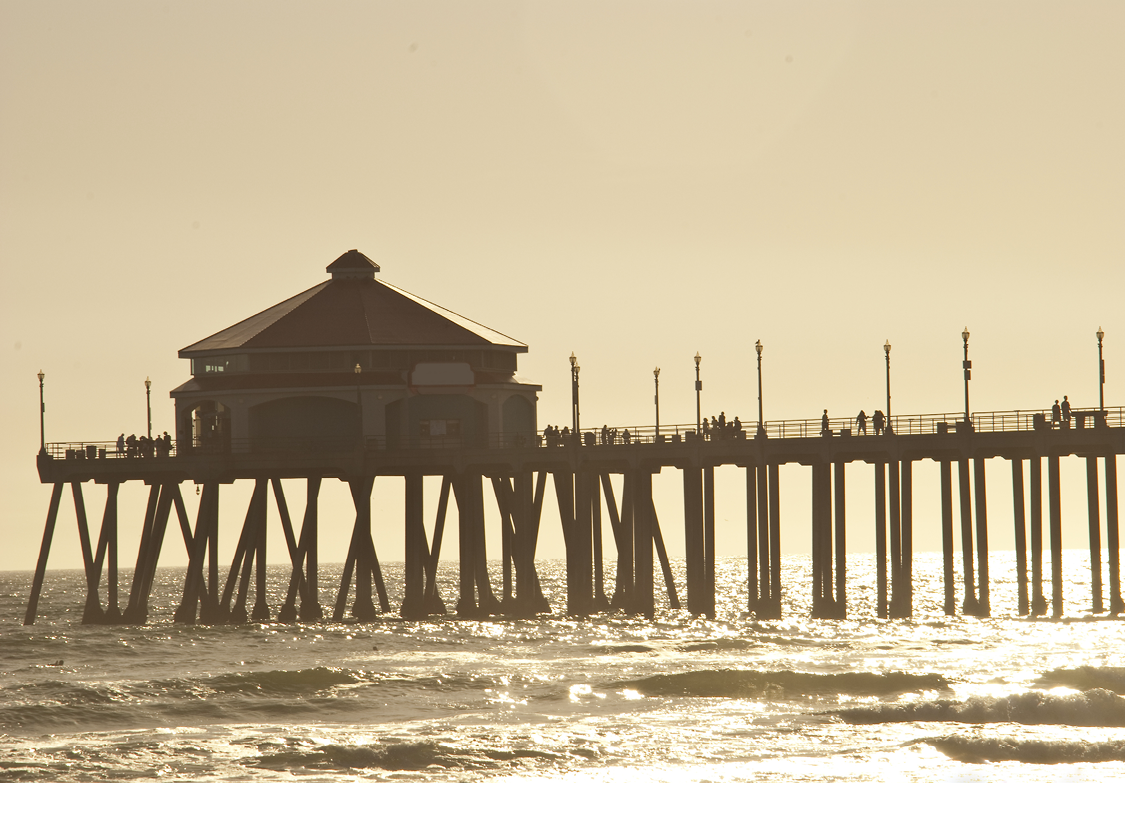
352 265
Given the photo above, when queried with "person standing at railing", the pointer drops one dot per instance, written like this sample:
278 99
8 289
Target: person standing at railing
877 422
121 446
824 429
1066 412
1056 414
861 422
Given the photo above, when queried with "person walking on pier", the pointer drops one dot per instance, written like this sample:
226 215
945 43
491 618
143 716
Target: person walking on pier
861 422
1066 412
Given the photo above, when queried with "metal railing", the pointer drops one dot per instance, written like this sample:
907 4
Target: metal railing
914 424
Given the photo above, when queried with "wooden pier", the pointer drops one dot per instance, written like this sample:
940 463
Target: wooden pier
514 474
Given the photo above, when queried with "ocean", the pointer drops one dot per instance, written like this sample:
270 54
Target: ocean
605 700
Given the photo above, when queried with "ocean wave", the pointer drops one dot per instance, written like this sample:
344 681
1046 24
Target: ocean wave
1098 707
401 757
984 750
1086 677
779 684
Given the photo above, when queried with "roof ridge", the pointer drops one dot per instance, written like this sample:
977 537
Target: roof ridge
420 299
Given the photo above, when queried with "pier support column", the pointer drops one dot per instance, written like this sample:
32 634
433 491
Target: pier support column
1038 600
906 525
643 537
600 602
841 611
970 606
1116 605
694 541
950 583
895 518
622 525
1019 520
823 603
708 540
1092 500
766 606
881 607
310 609
416 549
1055 510
44 551
984 607
751 539
775 541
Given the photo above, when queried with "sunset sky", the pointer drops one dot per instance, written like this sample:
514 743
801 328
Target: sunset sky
630 181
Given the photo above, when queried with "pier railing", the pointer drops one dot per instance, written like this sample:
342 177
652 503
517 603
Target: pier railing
913 424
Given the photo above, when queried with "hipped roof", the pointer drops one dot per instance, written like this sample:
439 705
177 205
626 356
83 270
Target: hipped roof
353 309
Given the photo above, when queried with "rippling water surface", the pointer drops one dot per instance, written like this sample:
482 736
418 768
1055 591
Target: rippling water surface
608 699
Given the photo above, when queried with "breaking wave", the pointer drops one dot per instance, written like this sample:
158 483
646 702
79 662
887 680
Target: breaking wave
1098 707
777 684
1086 677
985 750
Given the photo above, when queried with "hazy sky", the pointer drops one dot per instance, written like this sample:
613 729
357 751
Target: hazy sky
631 181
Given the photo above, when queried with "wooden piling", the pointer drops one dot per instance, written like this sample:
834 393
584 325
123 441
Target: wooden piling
950 583
984 606
894 516
775 541
416 550
1116 604
751 539
1055 512
1038 600
694 540
44 551
841 550
1092 500
708 540
1020 522
906 510
642 543
970 605
881 607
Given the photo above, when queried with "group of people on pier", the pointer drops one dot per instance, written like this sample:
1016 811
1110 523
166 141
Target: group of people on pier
719 429
134 446
1060 414
879 424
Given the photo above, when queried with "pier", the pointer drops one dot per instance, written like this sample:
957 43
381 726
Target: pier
356 380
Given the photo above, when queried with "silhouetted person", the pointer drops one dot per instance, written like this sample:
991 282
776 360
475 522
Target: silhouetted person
625 436
861 422
824 430
1066 412
1056 413
737 427
877 422
121 445
706 428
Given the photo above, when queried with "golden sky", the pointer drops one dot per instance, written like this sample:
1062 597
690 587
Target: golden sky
631 181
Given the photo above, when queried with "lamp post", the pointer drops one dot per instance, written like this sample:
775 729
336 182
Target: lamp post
968 367
887 350
698 389
43 409
148 405
656 382
1101 377
758 349
574 370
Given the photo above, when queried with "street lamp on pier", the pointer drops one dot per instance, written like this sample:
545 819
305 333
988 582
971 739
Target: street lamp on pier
968 367
656 382
1101 379
148 405
761 424
887 350
43 409
574 370
698 389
